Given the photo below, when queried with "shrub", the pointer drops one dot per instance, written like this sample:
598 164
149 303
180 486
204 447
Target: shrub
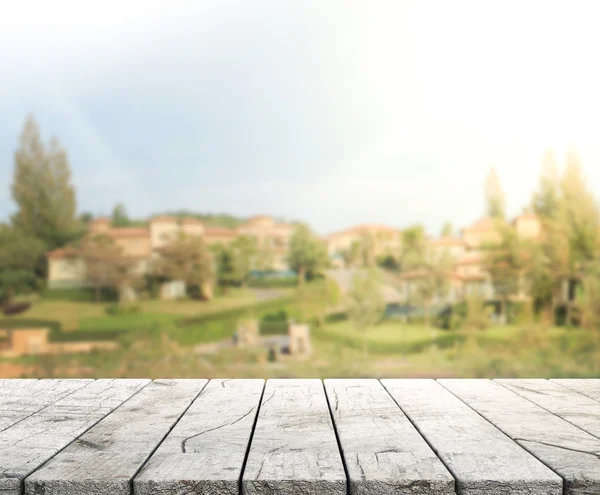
15 308
122 309
54 326
80 294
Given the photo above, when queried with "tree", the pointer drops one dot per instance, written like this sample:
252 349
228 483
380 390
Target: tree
589 302
226 275
42 190
578 217
367 250
245 257
365 302
495 203
318 298
413 246
433 280
20 256
106 266
447 230
361 252
352 255
546 200
188 259
307 254
86 217
506 264
119 216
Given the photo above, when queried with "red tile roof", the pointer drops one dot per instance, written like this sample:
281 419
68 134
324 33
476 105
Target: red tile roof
61 253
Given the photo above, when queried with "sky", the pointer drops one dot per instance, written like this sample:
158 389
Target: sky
336 113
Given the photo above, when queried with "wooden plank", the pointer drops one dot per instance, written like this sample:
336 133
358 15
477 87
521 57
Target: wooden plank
566 449
28 444
590 387
294 447
107 457
205 452
8 385
383 451
565 403
33 396
482 459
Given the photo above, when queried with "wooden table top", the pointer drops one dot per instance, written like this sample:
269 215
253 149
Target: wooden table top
299 436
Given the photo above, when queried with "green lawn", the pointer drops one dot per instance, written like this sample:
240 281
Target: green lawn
163 346
74 315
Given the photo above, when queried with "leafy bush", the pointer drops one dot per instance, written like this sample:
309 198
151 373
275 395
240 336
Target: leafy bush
122 309
80 294
520 313
54 326
15 308
273 327
237 313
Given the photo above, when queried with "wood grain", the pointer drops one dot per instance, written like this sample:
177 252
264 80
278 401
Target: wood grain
294 447
205 452
482 459
28 444
383 451
566 449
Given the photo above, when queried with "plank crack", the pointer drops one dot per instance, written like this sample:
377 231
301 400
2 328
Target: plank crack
595 454
213 429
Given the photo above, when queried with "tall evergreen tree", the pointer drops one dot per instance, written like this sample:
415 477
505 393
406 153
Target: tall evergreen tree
546 200
42 189
494 195
119 216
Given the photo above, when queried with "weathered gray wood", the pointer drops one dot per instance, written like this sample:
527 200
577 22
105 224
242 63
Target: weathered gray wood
563 402
7 385
33 396
566 449
590 387
205 451
28 444
105 459
482 459
383 451
294 448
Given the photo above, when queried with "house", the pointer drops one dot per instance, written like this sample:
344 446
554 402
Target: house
482 232
271 235
385 239
468 275
67 269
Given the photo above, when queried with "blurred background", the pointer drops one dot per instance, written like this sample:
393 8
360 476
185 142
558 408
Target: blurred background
299 189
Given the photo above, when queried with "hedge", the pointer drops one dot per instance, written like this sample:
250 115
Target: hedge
80 294
272 283
56 333
53 325
235 313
